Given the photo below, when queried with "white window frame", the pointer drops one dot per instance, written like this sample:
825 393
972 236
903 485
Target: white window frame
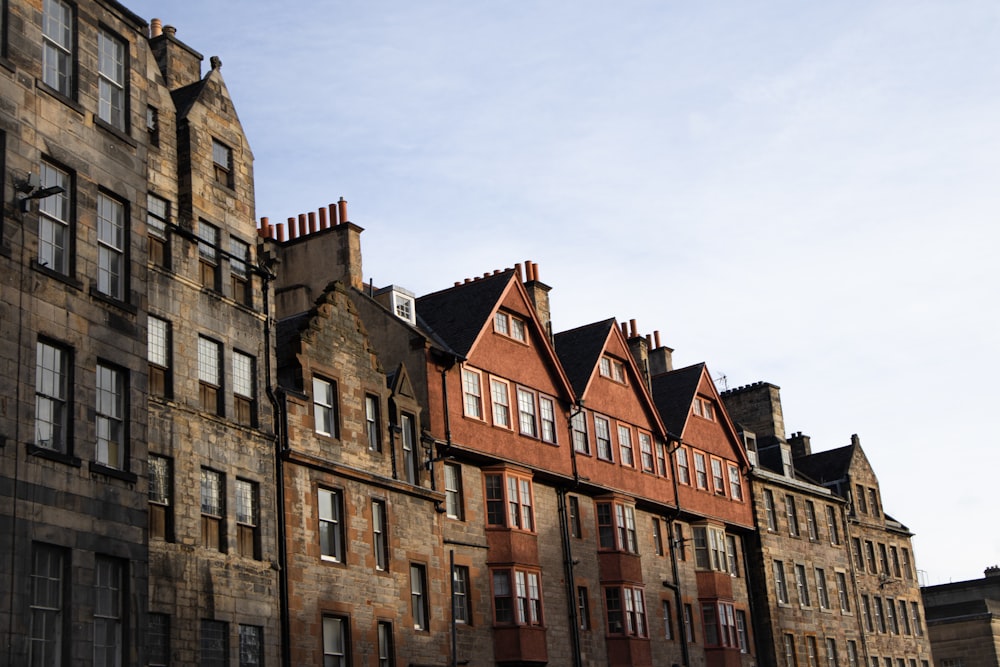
735 482
683 466
472 393
244 381
527 412
112 82
578 424
646 456
418 597
602 436
109 416
802 585
58 46
780 582
55 237
547 418
380 534
454 500
336 641
701 470
52 404
373 422
500 399
625 448
330 516
222 164
325 406
109 589
247 514
718 477
111 264
460 593
47 609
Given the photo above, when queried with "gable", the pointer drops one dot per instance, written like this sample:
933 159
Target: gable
676 393
531 361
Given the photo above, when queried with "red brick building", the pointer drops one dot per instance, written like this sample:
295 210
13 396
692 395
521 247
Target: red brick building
713 517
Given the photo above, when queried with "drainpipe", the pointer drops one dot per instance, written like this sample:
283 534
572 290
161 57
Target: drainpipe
675 586
746 561
567 546
280 445
574 622
454 629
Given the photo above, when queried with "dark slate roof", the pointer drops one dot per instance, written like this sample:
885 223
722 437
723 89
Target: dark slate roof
186 96
673 393
579 351
457 315
827 466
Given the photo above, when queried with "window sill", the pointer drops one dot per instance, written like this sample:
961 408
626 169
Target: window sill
53 455
52 273
108 471
49 90
112 301
118 133
7 64
330 560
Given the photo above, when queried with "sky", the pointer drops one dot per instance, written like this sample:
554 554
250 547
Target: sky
802 193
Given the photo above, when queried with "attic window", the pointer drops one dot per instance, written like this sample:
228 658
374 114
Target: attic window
506 324
222 160
613 368
703 408
404 308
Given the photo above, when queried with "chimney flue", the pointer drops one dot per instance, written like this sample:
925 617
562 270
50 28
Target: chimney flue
342 207
155 28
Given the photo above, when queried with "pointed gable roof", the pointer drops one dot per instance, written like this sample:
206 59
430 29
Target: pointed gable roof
673 393
828 466
580 349
457 315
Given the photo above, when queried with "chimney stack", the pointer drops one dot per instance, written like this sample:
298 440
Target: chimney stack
538 292
179 63
639 347
800 444
661 357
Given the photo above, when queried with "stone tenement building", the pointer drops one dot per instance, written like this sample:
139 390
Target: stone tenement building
218 446
137 468
836 576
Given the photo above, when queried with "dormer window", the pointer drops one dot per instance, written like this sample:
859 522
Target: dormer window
508 325
703 408
613 369
399 301
404 309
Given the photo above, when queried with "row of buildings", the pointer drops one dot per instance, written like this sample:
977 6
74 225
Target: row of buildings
219 446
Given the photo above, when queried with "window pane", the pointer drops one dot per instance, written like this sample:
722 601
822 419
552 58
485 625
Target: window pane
243 379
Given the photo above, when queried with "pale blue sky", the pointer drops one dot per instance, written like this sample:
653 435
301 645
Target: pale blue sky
798 192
